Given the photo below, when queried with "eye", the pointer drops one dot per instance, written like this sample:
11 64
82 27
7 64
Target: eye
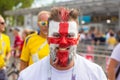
56 35
70 35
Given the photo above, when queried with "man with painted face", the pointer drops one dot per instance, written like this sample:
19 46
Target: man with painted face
63 63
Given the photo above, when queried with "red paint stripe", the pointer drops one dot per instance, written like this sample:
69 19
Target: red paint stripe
71 41
63 27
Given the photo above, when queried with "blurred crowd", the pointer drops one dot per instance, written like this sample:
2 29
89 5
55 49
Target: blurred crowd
96 37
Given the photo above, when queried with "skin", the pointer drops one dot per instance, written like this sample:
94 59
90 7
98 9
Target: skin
43 29
15 32
43 33
2 27
111 69
24 34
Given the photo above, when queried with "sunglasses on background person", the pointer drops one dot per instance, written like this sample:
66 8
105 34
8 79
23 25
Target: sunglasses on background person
43 23
2 23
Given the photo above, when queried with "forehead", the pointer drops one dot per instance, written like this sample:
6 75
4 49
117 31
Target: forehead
1 19
43 16
56 26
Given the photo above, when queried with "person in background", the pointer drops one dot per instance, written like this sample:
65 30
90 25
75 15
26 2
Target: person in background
99 38
35 46
63 63
82 35
111 41
25 33
17 47
113 70
109 32
4 49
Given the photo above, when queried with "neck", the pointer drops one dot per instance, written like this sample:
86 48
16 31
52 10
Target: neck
70 65
42 35
0 34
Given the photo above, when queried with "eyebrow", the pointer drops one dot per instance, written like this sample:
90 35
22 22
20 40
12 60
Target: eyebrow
54 33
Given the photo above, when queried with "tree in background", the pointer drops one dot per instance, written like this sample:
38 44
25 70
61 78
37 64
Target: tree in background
6 5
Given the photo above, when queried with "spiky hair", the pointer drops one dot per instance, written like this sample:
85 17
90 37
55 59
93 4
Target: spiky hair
63 14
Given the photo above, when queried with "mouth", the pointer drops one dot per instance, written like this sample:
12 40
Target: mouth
62 49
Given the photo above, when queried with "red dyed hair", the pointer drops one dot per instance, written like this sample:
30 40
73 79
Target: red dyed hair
63 14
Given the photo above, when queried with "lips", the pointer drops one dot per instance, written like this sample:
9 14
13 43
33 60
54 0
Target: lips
62 49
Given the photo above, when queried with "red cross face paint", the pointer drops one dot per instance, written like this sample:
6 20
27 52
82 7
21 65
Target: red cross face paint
62 37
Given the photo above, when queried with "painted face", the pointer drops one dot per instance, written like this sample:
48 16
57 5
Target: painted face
62 38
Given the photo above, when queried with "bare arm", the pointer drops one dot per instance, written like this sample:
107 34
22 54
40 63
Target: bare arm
8 56
23 65
111 69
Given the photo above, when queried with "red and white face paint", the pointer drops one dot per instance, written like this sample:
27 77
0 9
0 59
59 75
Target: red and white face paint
62 37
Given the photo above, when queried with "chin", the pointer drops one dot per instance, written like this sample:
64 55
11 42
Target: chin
44 33
2 30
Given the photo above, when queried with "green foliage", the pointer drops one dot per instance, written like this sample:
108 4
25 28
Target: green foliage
27 3
6 5
9 4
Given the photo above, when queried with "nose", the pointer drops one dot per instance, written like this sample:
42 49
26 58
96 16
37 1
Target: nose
63 42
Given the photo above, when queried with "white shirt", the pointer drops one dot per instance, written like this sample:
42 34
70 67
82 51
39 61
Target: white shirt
82 36
85 70
58 74
116 55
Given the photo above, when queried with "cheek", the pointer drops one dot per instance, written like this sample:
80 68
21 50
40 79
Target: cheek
73 49
40 28
72 41
52 40
2 28
53 48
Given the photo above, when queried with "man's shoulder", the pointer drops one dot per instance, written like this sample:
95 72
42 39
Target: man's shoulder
116 50
86 63
118 45
30 37
115 53
35 68
5 36
86 66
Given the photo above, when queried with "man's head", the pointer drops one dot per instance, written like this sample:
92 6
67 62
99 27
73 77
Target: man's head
43 22
16 31
2 24
63 35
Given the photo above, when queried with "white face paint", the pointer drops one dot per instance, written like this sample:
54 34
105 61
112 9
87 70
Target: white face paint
54 27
